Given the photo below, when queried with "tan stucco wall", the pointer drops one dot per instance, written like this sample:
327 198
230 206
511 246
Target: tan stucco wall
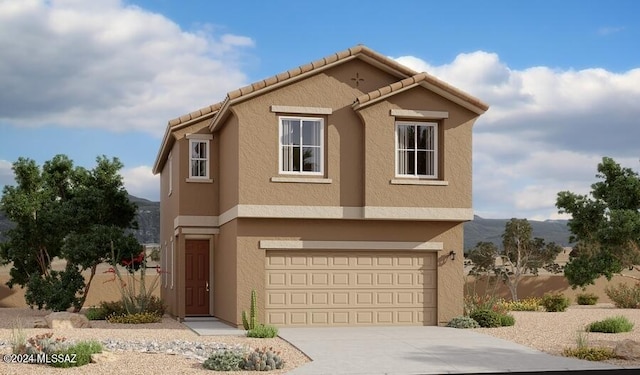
251 259
227 151
226 274
198 198
169 205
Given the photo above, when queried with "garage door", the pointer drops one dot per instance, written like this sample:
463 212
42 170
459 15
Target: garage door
323 288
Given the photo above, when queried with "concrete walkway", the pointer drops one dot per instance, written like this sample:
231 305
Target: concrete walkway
420 350
210 326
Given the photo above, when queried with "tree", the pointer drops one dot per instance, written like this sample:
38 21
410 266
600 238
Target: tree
604 224
521 255
65 212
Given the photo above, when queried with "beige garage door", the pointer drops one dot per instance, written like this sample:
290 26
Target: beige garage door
356 288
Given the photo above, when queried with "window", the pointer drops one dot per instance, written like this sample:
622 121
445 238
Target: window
198 158
301 145
417 149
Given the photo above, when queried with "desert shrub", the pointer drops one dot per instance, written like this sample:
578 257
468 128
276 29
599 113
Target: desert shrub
263 359
586 299
263 331
153 305
527 304
112 308
18 339
463 322
95 313
589 353
554 302
507 320
615 324
45 343
486 318
485 302
624 296
137 318
82 351
225 360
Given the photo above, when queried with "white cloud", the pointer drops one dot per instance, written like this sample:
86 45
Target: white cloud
608 30
546 130
141 182
110 65
6 173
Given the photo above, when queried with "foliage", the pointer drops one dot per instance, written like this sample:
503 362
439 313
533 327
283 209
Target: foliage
605 225
18 339
463 322
521 255
590 353
45 343
586 299
507 320
486 318
263 331
482 302
135 318
112 308
615 324
555 302
527 304
225 360
82 351
263 359
250 323
624 296
64 212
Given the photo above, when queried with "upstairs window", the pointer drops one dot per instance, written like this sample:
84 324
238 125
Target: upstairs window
301 145
416 149
198 158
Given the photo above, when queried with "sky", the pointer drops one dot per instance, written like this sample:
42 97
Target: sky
87 78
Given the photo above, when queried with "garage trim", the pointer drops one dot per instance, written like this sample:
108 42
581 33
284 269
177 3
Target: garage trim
349 245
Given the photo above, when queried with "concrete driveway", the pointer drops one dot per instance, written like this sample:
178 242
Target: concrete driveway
420 350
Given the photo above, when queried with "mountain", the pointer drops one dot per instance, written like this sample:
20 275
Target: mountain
490 230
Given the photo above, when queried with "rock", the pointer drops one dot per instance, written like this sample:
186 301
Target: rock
103 357
67 320
40 323
627 349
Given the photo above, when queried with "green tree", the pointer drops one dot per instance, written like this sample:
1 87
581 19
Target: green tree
604 224
521 255
64 212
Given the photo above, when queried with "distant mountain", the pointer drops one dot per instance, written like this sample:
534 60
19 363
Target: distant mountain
491 230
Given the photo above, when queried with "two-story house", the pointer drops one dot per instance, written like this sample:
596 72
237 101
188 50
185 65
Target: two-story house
337 190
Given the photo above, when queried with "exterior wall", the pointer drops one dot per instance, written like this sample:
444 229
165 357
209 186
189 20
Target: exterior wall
227 274
169 205
197 198
251 259
227 160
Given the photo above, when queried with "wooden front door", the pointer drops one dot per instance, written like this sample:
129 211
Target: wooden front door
196 289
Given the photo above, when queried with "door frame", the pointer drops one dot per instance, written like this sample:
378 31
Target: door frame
182 265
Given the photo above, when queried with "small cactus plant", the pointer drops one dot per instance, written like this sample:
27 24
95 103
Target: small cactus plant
45 343
263 359
252 321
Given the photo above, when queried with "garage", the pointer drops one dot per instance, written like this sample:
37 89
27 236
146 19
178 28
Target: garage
328 288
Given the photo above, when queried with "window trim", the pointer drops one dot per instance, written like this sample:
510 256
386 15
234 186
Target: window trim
322 145
436 160
207 159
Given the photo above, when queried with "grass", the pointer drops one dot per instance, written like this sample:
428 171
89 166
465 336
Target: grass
614 324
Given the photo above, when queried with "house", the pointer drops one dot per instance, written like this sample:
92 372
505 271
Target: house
337 190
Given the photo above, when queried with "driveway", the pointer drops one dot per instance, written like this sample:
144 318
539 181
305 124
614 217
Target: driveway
420 350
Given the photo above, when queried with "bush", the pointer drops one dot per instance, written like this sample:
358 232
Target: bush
95 313
137 318
82 351
225 360
527 304
485 302
554 302
263 331
153 304
486 318
507 320
463 322
586 299
589 353
614 324
624 296
112 308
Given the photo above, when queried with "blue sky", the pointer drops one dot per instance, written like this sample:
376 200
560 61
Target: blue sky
86 78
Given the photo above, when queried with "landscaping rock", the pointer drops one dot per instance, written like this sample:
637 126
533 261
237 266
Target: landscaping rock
103 357
628 349
67 320
40 323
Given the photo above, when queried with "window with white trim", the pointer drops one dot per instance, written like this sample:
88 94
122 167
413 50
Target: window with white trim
198 158
301 145
416 149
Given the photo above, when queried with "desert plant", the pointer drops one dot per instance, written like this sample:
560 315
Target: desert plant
136 318
486 318
463 322
251 322
82 351
263 331
555 302
95 313
527 304
225 360
483 302
615 324
586 299
45 343
263 359
589 353
112 308
507 320
624 296
18 338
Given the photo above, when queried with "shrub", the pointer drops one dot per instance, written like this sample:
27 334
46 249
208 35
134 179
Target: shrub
112 308
152 305
18 339
463 322
95 313
225 360
263 360
45 343
82 351
614 324
624 296
589 353
486 302
554 302
507 320
486 318
586 299
137 318
263 331
527 304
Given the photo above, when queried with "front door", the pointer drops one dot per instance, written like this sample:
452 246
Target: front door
196 293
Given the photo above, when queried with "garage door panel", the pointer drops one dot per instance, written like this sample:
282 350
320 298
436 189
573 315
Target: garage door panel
325 288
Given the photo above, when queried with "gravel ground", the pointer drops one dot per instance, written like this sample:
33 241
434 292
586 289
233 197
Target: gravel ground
548 332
